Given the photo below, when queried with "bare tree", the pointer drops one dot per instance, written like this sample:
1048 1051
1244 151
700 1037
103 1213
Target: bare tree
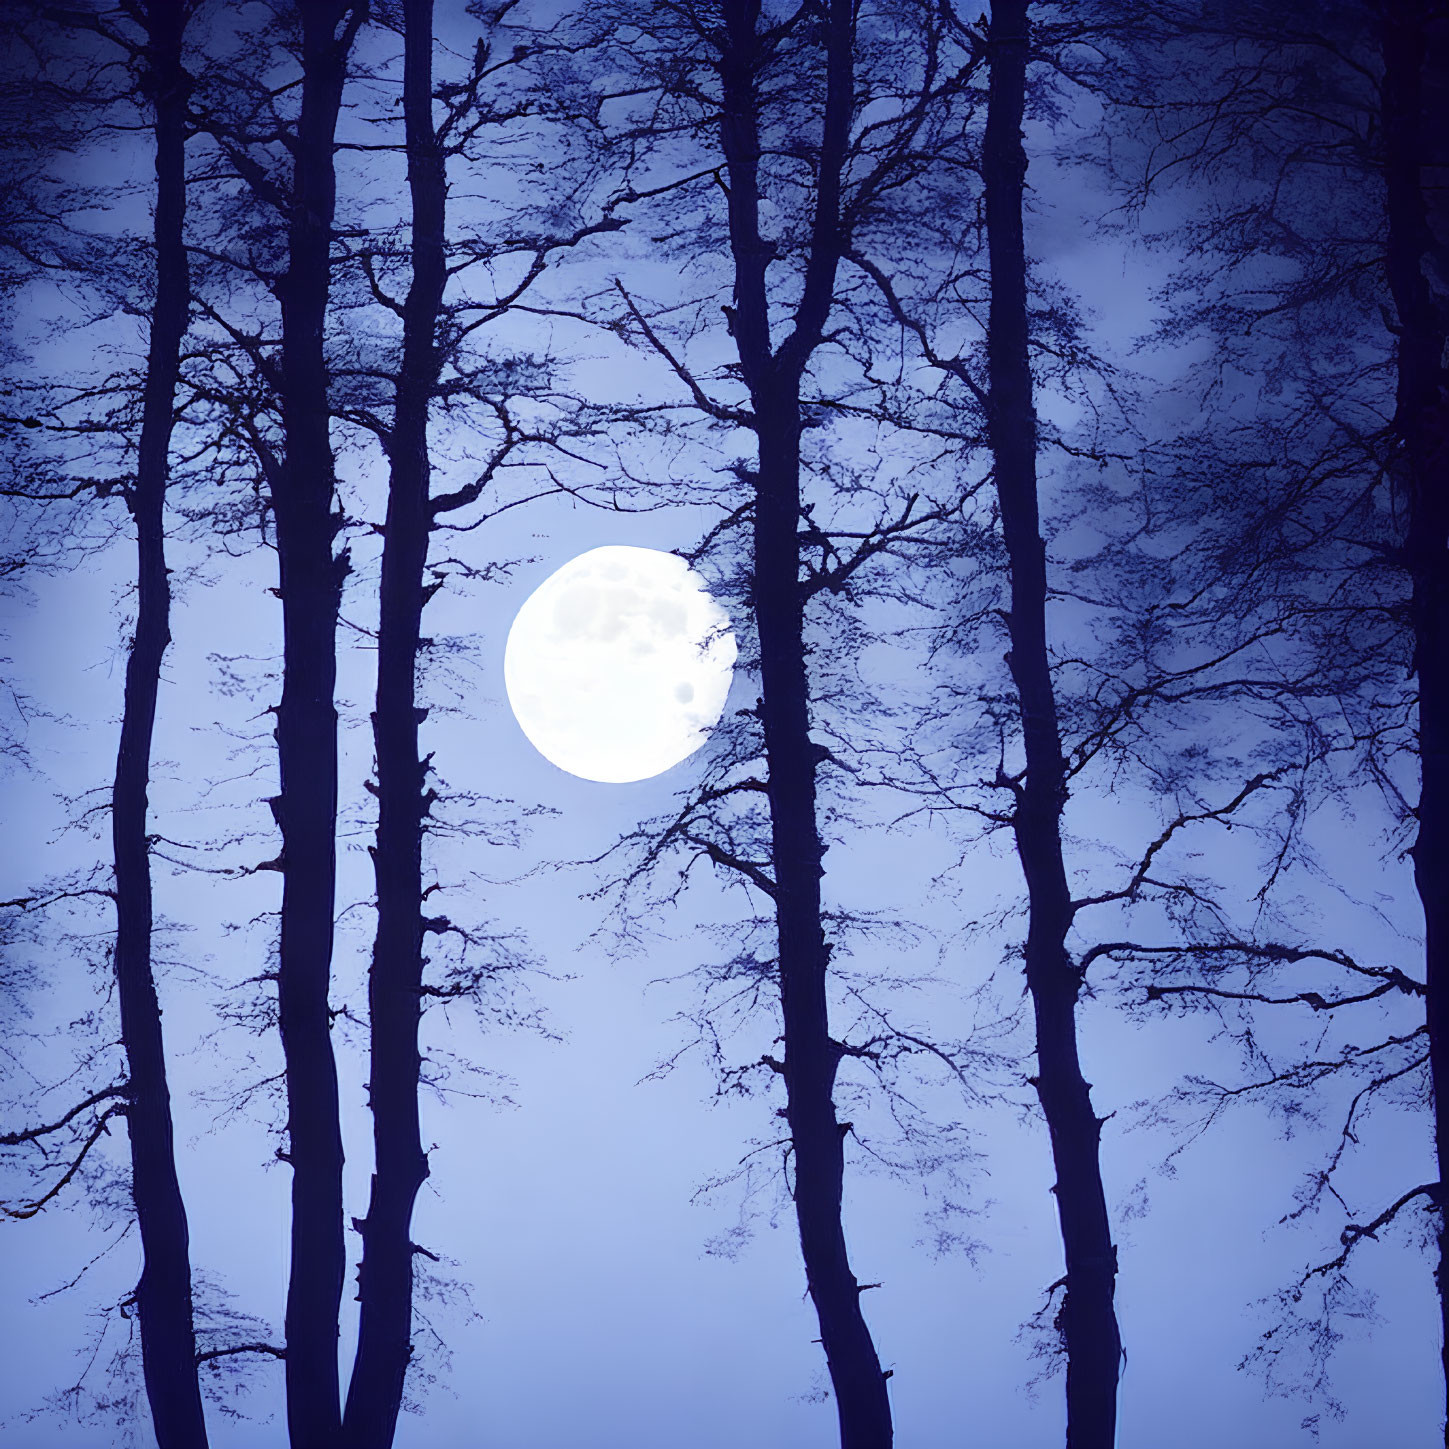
443 124
311 575
1026 333
773 373
1309 150
163 1295
150 36
395 982
784 137
300 473
1415 116
1088 1319
384 387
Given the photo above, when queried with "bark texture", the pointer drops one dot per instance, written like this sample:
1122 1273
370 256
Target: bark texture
385 1280
311 576
1421 426
163 1295
773 375
1088 1318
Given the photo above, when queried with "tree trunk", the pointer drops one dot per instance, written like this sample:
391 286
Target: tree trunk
385 1280
306 807
1088 1318
1421 425
163 1295
811 1056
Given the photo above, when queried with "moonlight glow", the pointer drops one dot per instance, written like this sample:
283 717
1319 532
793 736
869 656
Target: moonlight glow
618 665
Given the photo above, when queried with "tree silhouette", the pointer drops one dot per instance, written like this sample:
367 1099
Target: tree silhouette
1088 1320
310 583
395 982
149 35
1312 143
300 475
815 118
1415 113
163 1295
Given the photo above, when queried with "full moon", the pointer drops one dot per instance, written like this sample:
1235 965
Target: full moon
618 664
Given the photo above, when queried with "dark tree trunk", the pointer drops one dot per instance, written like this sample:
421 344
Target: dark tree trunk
163 1295
306 807
385 1281
811 1055
1088 1318
1422 476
